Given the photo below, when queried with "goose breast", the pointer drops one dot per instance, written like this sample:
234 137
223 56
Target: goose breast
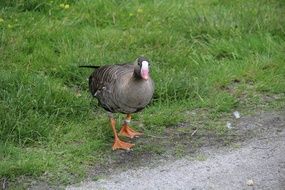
117 90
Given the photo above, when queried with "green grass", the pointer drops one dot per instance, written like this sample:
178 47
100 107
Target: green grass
205 54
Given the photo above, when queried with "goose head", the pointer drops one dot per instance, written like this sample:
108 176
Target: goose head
142 68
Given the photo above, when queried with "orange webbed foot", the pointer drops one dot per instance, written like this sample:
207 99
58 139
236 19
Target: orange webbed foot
129 132
118 144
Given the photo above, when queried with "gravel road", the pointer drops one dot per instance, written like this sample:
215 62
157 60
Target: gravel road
257 163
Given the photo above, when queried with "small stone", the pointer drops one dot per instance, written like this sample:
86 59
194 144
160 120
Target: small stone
236 114
229 125
250 182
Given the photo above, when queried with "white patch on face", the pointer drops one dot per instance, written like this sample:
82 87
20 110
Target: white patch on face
144 70
144 65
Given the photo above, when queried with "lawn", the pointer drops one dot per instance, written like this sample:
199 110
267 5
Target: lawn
51 127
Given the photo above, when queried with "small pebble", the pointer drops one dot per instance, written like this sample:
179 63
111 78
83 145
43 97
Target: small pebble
236 114
229 125
250 182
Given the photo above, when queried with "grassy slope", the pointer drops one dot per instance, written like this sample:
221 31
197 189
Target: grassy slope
198 49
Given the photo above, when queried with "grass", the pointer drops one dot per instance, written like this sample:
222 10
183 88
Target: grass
211 55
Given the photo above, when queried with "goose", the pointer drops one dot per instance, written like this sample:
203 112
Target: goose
122 88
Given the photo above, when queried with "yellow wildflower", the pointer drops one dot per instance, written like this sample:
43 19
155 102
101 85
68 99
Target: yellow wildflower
66 6
62 5
140 10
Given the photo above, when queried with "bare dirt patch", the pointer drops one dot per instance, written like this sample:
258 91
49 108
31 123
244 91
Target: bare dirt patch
198 144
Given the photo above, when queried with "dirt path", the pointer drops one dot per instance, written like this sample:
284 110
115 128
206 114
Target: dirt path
259 161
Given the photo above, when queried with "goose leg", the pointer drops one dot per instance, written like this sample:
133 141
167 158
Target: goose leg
126 130
118 144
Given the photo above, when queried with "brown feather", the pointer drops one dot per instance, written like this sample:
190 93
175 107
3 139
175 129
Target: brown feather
119 89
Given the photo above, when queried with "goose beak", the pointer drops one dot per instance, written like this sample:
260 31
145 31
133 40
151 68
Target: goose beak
144 70
144 74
